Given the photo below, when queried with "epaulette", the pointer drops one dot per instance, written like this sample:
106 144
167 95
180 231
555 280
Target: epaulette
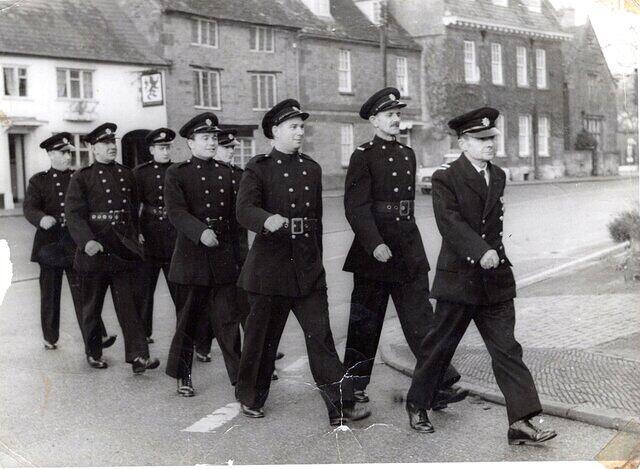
261 157
85 168
443 166
308 158
365 146
236 168
184 163
142 165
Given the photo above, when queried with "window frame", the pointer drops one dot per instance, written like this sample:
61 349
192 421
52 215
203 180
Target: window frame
402 64
344 71
257 99
209 22
82 73
501 139
241 158
527 135
522 69
17 78
255 43
497 68
346 143
472 62
542 83
200 72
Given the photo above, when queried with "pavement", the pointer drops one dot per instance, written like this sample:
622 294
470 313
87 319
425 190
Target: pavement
581 339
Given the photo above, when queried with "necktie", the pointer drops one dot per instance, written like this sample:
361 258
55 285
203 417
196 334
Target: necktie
484 177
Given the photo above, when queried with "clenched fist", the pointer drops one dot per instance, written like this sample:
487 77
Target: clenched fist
93 247
208 238
275 222
490 259
47 222
382 253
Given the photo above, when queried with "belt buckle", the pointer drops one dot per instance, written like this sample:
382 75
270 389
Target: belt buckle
297 226
405 207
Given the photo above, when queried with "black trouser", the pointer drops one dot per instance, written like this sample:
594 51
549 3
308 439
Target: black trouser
262 333
123 289
50 290
496 324
368 307
149 273
218 303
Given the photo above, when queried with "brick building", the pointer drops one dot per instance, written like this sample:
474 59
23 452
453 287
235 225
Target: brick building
502 53
239 58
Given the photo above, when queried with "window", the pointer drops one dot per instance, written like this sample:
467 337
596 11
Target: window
206 88
346 144
524 135
534 5
264 91
501 3
500 150
372 10
593 125
204 32
81 156
543 136
319 7
522 76
471 70
244 151
541 68
402 76
592 88
15 81
262 39
344 71
496 64
74 84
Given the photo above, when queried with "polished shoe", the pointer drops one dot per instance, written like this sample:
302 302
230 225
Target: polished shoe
96 362
185 387
150 340
448 396
274 376
349 414
140 365
419 420
203 357
108 341
251 413
50 346
360 396
523 432
279 355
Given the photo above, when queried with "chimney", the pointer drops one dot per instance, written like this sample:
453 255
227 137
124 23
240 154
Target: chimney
567 17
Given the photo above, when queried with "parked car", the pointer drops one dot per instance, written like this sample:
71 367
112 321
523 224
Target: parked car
423 175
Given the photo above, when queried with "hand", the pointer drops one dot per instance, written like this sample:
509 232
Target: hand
490 259
141 238
208 238
47 222
275 222
93 247
382 253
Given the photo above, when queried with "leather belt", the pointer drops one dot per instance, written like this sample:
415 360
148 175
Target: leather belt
401 208
299 226
217 225
160 212
119 216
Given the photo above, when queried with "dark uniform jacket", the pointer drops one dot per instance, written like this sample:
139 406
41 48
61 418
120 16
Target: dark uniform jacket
282 263
383 171
45 196
199 195
243 242
159 234
469 216
102 205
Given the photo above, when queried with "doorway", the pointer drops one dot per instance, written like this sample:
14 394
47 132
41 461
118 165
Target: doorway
17 166
134 149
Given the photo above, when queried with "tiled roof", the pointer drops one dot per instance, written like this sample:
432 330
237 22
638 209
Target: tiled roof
95 30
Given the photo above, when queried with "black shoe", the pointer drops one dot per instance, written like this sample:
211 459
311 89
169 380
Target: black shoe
448 396
279 355
349 414
185 387
252 413
360 396
50 346
96 362
150 340
274 376
203 357
523 432
108 341
140 365
419 420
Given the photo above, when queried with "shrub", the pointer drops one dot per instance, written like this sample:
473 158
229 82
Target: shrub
625 226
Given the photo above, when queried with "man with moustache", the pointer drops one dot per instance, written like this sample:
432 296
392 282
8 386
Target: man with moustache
53 247
157 234
101 209
474 278
387 257
200 201
280 199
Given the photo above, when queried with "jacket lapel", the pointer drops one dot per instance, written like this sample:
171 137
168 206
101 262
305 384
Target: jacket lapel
472 177
496 183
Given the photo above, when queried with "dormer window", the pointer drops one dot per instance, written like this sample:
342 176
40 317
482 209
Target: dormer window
534 5
319 7
372 9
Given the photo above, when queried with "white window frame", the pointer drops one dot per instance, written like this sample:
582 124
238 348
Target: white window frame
524 135
402 76
259 99
80 80
80 147
344 71
261 32
501 3
541 69
471 69
522 73
497 73
346 144
246 150
544 133
17 77
500 139
199 76
201 40
319 7
534 5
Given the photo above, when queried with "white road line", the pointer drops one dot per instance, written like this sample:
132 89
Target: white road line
215 420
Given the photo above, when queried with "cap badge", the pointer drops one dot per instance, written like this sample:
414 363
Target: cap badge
392 97
108 131
485 121
230 136
208 121
65 140
163 135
